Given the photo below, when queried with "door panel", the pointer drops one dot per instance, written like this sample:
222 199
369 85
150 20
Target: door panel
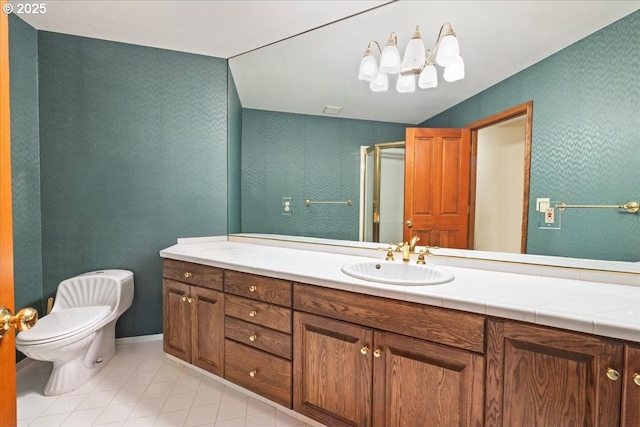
7 343
437 186
177 335
207 317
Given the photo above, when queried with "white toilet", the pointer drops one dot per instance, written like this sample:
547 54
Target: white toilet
78 336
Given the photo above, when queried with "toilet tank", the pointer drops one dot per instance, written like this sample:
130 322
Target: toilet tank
103 287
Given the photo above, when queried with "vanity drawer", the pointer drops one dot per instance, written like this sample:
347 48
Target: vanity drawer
259 313
195 274
262 288
271 374
445 326
266 339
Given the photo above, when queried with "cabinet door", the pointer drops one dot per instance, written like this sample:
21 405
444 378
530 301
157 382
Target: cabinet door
538 376
631 387
422 384
207 329
175 319
332 370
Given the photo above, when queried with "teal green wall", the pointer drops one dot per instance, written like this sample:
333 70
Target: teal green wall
585 142
305 157
25 164
133 155
234 157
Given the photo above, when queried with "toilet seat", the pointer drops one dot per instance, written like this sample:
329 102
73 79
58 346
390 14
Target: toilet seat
62 324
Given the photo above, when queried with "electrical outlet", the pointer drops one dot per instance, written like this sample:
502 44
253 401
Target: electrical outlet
549 216
286 205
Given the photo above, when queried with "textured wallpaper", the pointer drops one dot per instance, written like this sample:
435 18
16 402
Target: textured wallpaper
305 157
25 164
133 152
585 142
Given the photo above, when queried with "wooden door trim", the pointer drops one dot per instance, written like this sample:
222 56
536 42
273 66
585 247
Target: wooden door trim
519 110
8 413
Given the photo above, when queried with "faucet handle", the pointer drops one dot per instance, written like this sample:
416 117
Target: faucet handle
389 252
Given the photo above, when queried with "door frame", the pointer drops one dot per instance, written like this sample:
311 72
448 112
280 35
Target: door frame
525 109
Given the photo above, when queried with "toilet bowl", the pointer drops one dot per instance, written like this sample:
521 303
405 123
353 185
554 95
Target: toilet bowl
78 336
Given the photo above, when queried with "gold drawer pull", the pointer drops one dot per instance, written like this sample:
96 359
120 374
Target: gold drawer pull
364 350
377 352
253 337
253 313
612 374
253 288
253 373
187 274
636 379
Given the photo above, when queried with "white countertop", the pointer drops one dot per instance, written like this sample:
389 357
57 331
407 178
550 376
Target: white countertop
611 310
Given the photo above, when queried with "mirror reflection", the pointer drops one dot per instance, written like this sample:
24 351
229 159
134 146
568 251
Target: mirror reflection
583 151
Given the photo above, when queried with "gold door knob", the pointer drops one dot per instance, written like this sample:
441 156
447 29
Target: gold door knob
364 350
612 374
409 223
377 352
23 320
253 373
252 288
253 313
187 274
636 379
253 337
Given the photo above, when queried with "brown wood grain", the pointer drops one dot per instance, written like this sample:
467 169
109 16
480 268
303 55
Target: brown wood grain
268 315
450 327
630 416
207 329
332 378
262 288
266 339
272 374
176 319
194 274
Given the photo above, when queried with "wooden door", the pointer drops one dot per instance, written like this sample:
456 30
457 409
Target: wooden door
176 319
207 327
332 370
7 343
631 387
423 384
538 376
436 205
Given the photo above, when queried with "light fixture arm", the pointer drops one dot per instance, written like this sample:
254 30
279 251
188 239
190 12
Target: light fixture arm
373 41
450 32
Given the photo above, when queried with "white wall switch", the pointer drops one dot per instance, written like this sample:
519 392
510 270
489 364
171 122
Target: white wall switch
542 204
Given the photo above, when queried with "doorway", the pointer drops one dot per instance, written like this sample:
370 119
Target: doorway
499 180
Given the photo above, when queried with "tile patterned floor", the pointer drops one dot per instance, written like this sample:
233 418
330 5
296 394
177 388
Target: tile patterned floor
141 387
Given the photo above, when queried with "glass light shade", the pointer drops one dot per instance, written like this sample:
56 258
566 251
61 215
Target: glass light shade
414 54
368 68
455 70
380 83
428 77
448 50
406 83
390 60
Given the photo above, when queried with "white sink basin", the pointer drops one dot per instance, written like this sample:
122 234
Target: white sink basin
397 273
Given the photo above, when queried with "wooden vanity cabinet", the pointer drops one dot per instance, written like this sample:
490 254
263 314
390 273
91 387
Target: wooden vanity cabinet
630 415
348 374
540 376
258 323
193 318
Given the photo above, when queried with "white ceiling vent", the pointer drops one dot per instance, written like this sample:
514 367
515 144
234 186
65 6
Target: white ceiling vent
332 109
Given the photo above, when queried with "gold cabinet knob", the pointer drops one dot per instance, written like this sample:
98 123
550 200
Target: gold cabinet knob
184 298
636 379
364 350
253 373
253 288
187 274
612 374
253 337
253 313
190 300
23 320
377 352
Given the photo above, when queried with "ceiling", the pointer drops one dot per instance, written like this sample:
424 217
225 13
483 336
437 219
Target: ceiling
299 56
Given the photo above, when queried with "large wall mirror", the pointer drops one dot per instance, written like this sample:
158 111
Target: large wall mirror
584 147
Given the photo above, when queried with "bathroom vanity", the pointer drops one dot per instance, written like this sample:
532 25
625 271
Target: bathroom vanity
489 348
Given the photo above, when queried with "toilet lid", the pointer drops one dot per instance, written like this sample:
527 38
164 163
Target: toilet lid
63 323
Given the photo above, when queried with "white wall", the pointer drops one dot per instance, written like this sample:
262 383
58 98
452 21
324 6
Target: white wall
499 189
391 195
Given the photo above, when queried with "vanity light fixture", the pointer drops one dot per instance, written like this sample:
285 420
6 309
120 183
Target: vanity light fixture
417 60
